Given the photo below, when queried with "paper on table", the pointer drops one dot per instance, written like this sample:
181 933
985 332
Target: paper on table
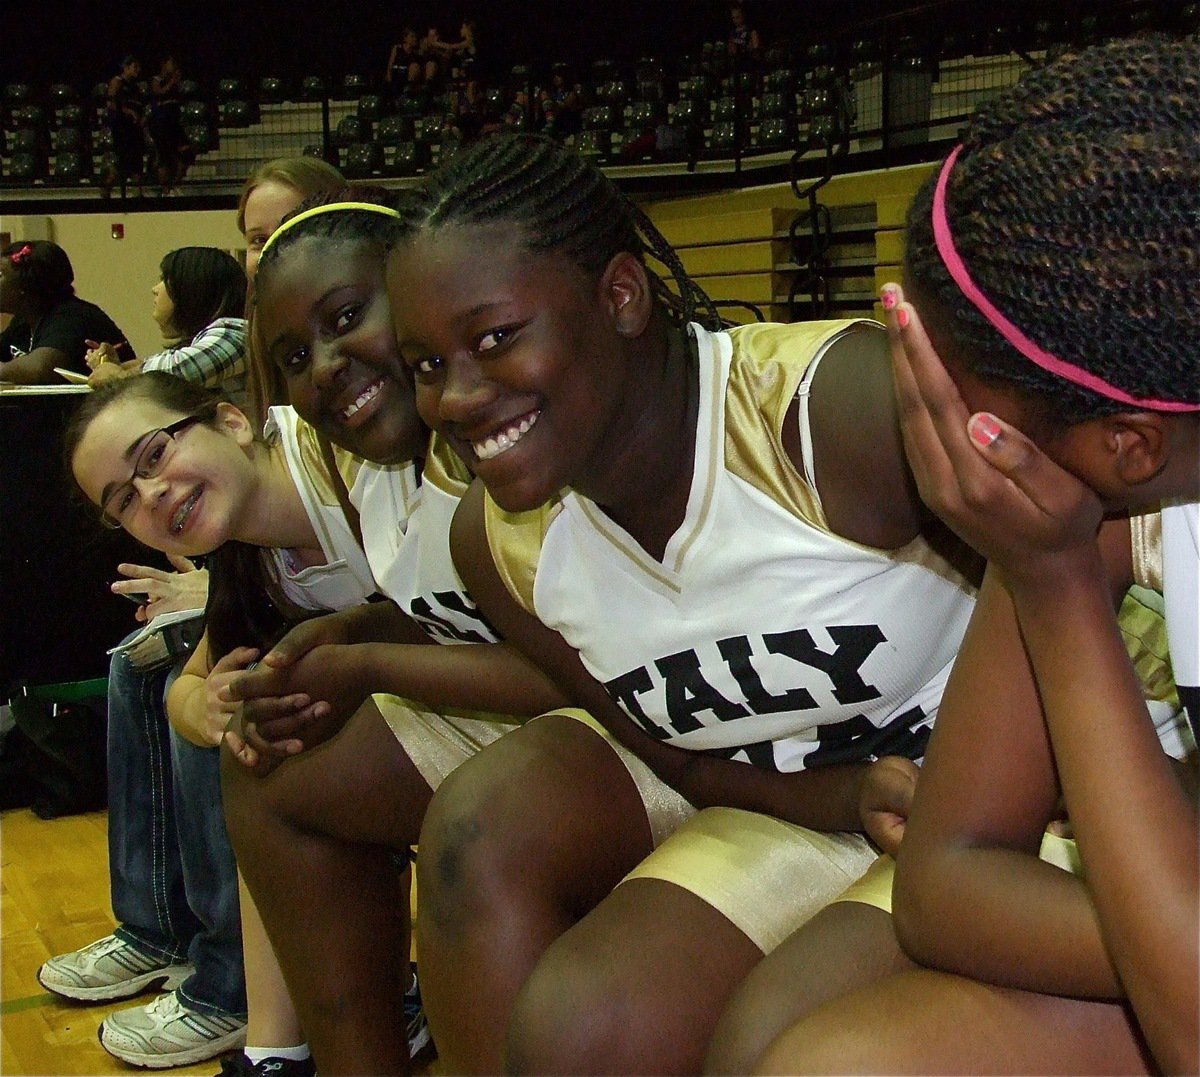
165 638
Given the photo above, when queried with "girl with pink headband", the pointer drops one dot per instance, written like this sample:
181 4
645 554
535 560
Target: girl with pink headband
1049 389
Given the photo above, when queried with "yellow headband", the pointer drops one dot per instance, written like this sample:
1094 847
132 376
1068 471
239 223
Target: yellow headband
329 207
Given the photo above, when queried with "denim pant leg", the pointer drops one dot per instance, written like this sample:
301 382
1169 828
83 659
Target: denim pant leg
210 871
148 893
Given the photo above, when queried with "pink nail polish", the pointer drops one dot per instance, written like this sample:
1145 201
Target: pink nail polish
983 428
902 318
887 297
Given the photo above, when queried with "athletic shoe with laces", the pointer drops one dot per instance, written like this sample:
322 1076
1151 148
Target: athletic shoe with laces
414 1018
238 1065
109 969
166 1033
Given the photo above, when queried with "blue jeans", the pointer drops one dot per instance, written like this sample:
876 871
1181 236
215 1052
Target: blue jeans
174 877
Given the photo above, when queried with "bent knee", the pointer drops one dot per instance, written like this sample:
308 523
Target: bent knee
567 1019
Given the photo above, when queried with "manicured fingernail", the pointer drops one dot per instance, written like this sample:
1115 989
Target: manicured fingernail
902 318
983 428
887 297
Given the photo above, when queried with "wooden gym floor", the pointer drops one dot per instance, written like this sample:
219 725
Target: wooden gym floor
54 886
55 898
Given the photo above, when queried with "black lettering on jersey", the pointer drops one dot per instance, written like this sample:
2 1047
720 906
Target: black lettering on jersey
623 691
856 739
854 646
736 652
439 626
687 693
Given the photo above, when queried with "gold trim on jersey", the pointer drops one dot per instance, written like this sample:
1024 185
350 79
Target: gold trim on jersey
626 547
313 463
769 363
515 540
445 469
1146 548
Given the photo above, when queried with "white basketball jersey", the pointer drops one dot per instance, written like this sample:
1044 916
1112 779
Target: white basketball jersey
760 634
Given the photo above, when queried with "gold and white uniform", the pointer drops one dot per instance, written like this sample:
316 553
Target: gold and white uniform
761 634
405 522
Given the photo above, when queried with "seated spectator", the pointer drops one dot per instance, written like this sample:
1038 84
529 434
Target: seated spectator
51 325
560 104
458 57
198 303
432 56
404 63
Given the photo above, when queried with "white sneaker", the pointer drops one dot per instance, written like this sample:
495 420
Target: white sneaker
110 968
167 1033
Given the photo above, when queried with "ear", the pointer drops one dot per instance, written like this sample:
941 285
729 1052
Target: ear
234 421
625 288
1137 444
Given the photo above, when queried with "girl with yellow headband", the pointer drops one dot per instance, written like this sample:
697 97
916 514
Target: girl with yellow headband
323 322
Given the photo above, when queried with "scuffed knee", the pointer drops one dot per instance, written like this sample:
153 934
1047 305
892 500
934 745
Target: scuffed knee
469 851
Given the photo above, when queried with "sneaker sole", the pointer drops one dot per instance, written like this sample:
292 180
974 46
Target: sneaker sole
166 979
235 1041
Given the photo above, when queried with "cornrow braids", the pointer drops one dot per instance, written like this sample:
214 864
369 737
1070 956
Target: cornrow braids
561 203
1075 205
350 224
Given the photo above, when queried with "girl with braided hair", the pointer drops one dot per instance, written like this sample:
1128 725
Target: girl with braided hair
708 539
1047 364
351 765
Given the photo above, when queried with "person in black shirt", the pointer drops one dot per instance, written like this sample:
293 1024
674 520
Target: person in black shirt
51 325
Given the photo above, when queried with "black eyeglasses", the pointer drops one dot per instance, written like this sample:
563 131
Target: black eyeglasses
121 503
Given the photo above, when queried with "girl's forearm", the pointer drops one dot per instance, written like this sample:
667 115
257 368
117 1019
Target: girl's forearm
488 677
187 708
1135 826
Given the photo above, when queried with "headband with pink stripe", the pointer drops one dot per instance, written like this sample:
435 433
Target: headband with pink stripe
1010 332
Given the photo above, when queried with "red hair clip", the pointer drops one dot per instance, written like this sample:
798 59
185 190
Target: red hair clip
17 257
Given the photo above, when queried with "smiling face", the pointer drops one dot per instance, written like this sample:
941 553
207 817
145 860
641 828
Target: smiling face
516 355
325 323
267 205
201 496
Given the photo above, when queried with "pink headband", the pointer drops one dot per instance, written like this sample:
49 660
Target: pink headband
1048 362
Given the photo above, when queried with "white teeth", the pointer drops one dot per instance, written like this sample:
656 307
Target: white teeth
505 439
367 395
185 510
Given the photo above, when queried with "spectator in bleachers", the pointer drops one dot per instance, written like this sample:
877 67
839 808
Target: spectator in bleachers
432 57
457 57
560 103
173 151
125 116
404 68
198 305
50 323
743 45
